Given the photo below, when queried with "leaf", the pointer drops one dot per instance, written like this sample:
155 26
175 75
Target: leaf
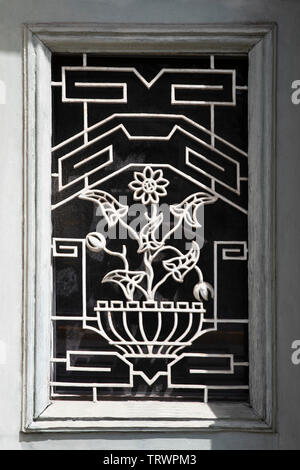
127 280
147 235
189 206
111 209
179 266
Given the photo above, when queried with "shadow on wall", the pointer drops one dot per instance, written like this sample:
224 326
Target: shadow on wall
147 441
152 440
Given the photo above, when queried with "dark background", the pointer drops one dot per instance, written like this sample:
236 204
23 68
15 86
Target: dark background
222 222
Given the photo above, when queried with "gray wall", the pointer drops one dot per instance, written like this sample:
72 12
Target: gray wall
287 14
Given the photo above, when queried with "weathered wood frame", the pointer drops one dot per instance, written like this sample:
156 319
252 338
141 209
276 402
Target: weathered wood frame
39 41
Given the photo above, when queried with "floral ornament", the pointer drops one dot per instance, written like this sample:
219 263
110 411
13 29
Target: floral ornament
111 209
189 206
202 289
179 266
95 242
148 186
147 240
127 280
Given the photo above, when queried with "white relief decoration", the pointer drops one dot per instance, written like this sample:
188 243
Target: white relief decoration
231 158
89 158
167 343
111 209
149 186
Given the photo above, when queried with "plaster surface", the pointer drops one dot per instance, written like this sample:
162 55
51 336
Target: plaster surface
286 14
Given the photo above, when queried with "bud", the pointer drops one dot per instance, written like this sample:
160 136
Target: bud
202 289
95 242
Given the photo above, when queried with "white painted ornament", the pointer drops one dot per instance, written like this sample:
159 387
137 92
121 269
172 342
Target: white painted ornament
148 187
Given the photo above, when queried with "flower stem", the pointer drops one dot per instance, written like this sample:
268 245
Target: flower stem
120 255
147 256
200 275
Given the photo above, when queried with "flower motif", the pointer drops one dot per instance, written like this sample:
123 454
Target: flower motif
148 186
111 209
127 280
189 206
95 242
179 266
203 289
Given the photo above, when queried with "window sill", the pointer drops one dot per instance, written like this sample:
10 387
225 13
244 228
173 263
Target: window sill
138 416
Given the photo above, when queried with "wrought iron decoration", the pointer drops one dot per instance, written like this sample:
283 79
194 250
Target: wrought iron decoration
149 186
141 336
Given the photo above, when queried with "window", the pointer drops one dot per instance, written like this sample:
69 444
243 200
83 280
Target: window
149 172
160 122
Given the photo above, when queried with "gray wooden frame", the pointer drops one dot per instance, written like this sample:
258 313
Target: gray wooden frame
39 41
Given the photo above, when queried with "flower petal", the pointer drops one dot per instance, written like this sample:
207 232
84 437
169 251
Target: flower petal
146 198
135 185
148 173
162 182
154 197
157 174
139 176
138 194
161 191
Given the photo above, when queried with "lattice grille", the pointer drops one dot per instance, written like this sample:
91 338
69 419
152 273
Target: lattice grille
149 228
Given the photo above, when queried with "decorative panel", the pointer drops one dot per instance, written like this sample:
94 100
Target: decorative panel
149 215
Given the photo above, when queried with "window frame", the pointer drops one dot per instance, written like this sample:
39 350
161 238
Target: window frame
40 40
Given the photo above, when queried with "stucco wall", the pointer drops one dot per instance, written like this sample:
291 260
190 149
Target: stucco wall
287 15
